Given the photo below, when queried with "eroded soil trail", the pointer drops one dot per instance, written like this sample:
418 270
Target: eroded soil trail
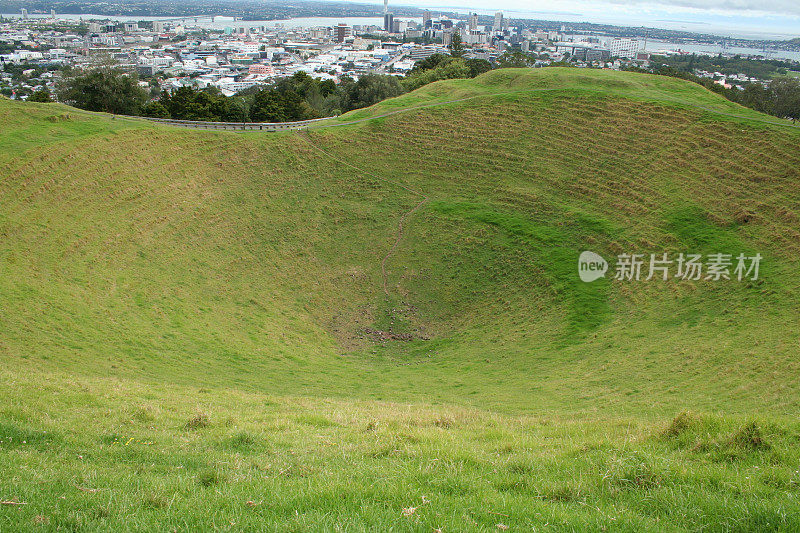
400 229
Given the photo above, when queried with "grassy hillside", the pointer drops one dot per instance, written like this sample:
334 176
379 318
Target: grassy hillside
639 87
332 324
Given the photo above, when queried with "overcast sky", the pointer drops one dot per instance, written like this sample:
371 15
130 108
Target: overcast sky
746 18
778 7
773 6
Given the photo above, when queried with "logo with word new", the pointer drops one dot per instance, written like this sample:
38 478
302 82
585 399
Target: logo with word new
591 266
686 267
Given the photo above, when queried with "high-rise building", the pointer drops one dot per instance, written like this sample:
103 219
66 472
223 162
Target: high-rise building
385 6
426 17
24 14
158 26
498 21
388 22
340 32
473 21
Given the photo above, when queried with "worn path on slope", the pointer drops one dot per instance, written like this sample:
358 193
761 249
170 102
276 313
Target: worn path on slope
400 232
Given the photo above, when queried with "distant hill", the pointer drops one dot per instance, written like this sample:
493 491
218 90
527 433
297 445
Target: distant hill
423 251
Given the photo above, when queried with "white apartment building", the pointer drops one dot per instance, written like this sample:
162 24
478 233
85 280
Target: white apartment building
626 48
248 47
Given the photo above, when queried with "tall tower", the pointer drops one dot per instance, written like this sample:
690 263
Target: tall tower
498 21
385 6
473 21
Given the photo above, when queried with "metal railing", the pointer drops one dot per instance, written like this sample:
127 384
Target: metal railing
258 126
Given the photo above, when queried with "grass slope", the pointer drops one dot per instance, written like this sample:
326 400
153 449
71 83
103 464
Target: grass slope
641 87
196 320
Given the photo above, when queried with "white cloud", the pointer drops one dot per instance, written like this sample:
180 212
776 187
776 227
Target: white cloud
778 7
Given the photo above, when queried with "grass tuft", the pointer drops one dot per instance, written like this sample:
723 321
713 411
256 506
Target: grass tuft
684 422
749 438
444 422
209 477
198 421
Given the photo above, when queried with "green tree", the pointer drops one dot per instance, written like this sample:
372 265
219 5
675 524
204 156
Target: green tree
456 45
515 59
268 107
237 110
430 62
456 68
282 104
327 87
155 109
368 90
478 66
108 90
758 97
42 95
786 97
207 104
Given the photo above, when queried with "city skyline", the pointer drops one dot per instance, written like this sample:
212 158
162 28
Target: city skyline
741 18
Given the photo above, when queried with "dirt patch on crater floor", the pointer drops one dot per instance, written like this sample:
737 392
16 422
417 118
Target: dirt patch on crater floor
382 336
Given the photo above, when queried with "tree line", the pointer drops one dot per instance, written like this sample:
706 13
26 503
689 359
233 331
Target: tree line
779 97
297 97
763 69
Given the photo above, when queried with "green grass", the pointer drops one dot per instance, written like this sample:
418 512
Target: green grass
555 250
194 320
558 81
265 462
